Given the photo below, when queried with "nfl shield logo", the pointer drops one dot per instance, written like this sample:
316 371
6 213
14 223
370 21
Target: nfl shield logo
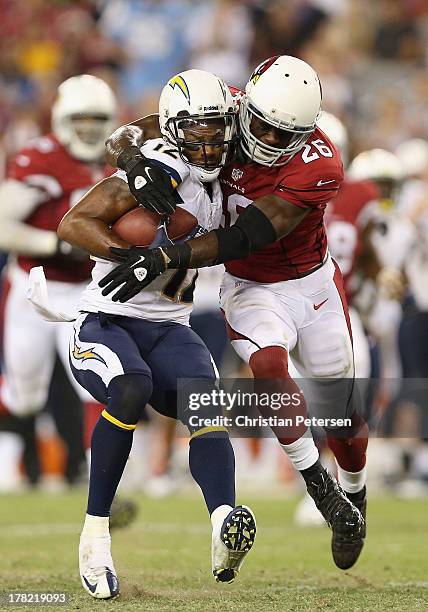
237 174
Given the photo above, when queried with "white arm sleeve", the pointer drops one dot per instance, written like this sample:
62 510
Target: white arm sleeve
17 201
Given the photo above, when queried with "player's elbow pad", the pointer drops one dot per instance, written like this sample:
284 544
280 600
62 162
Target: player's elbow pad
251 232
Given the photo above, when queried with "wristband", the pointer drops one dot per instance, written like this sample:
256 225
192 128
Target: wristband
252 232
129 158
177 256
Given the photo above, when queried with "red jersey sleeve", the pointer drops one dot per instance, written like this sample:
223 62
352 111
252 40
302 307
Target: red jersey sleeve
35 166
313 176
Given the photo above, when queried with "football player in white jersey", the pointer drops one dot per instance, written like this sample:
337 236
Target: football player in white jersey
130 354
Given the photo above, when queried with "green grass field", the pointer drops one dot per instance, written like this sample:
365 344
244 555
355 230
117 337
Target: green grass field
163 560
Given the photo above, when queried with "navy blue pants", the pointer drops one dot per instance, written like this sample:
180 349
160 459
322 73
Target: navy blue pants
108 345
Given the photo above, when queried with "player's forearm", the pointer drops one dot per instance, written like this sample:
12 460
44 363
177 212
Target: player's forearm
22 239
260 224
252 231
88 224
131 135
368 261
91 235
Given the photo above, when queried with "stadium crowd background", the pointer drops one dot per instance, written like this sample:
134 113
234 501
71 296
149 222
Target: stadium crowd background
371 58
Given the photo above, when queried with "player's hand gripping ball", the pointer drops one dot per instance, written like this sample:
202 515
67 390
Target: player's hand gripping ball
139 265
140 227
138 268
150 185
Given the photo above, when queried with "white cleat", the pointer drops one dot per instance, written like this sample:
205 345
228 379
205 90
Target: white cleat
234 532
97 571
307 514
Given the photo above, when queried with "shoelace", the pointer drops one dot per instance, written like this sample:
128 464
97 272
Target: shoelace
335 504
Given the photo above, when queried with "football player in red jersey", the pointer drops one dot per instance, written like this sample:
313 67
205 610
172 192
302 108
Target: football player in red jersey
282 293
45 179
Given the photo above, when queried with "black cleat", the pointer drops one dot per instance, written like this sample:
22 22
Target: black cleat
122 513
360 501
341 515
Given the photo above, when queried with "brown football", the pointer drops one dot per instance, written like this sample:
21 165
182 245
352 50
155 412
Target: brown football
139 225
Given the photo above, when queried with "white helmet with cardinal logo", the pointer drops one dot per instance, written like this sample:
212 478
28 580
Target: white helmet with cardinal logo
284 92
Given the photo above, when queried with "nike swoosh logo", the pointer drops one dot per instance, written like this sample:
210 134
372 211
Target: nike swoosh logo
321 183
317 306
148 174
140 260
91 587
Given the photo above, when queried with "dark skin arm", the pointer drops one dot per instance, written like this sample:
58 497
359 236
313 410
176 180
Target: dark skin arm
139 267
149 184
87 225
391 282
131 134
368 262
283 216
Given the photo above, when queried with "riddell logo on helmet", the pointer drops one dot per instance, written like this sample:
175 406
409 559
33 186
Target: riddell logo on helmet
211 108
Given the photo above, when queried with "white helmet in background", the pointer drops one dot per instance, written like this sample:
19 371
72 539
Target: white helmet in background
336 131
83 116
413 155
284 92
375 165
196 99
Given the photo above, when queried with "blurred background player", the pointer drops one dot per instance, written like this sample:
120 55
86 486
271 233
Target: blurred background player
44 180
399 236
379 289
413 340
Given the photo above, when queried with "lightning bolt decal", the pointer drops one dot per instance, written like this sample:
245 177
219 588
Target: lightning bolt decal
87 354
179 82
